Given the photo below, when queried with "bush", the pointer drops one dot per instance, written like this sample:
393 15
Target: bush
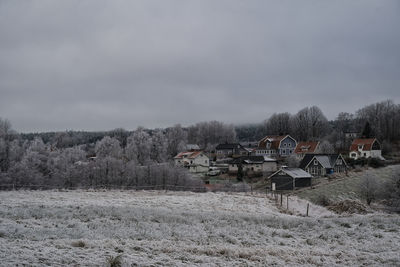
78 244
114 261
375 163
322 200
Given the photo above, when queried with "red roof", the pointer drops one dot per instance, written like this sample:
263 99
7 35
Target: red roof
365 142
188 154
274 139
306 147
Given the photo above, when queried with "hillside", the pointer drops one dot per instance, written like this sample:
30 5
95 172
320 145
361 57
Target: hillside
176 229
345 187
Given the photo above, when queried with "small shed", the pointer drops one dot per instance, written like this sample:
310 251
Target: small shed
290 178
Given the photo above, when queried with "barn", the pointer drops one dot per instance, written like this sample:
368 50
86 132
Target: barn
290 178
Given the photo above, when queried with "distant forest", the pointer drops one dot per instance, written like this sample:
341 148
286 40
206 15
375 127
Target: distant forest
144 157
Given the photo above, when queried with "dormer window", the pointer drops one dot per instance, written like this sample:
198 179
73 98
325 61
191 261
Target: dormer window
360 147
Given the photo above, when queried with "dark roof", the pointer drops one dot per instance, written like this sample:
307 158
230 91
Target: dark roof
228 146
296 173
248 159
326 160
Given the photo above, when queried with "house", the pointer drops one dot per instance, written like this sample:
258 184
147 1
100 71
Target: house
365 148
230 150
303 148
276 146
323 164
290 178
253 164
195 161
192 147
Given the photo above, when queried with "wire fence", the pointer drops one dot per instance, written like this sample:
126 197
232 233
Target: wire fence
225 187
167 187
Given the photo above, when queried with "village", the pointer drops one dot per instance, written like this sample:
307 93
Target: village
283 162
199 133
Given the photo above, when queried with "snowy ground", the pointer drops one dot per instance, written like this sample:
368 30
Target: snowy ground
175 229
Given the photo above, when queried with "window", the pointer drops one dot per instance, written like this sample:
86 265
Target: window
314 170
284 145
289 145
315 162
191 162
283 151
338 162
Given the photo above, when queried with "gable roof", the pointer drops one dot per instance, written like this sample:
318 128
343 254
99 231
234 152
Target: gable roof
306 147
367 143
228 146
275 141
188 154
327 161
293 172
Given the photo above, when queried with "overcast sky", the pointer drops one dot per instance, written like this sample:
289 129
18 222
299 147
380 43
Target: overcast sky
99 65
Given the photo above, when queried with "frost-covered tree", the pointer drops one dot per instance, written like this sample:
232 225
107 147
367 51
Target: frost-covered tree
158 148
65 166
108 147
138 147
208 134
177 140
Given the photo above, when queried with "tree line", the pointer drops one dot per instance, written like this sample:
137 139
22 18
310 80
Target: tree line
380 120
144 157
141 159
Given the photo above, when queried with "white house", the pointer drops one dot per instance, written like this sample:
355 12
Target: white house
195 161
365 148
254 164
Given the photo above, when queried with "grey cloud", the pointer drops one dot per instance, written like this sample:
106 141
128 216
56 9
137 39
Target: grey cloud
105 64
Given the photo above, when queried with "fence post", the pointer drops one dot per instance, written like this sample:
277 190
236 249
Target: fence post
281 199
308 205
287 202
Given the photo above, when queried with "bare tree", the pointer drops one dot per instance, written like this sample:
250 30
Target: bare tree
368 187
278 124
309 124
326 147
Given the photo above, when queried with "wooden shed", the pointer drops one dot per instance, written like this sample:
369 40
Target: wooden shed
290 178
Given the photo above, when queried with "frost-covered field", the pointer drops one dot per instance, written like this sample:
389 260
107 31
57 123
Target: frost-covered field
172 229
